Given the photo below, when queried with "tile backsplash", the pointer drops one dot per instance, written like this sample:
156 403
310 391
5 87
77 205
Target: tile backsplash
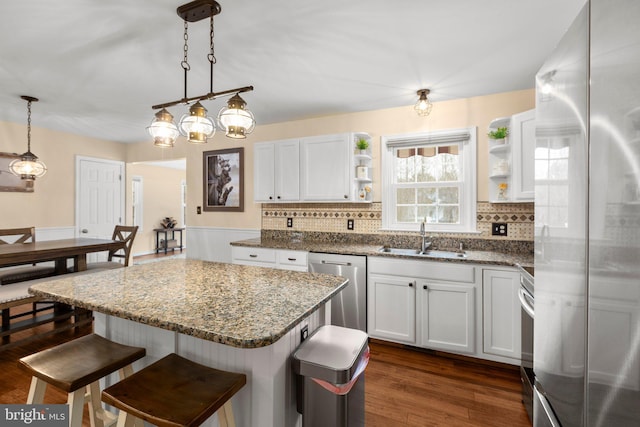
332 218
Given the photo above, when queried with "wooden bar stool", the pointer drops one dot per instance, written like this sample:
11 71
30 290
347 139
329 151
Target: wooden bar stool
76 366
173 392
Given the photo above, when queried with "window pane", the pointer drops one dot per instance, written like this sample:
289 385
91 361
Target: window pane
428 214
449 195
450 163
558 169
406 196
449 215
427 196
427 168
406 213
404 169
542 169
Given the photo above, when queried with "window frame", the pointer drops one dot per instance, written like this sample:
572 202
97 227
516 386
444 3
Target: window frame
467 138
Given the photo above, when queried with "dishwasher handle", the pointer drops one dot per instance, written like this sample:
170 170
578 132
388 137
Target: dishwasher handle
348 264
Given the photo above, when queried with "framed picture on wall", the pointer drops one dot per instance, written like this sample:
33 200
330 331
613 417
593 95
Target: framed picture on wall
223 173
8 181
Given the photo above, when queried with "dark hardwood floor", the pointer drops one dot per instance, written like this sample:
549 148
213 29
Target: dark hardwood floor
404 387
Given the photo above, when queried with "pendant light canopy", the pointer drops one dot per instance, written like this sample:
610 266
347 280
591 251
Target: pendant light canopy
235 119
423 106
28 167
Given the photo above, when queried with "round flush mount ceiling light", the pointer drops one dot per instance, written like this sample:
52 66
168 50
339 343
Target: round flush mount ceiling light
423 106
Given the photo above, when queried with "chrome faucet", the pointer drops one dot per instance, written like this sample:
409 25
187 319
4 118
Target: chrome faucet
425 245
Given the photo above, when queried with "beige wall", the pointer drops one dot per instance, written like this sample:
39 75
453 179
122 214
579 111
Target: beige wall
52 204
477 111
161 198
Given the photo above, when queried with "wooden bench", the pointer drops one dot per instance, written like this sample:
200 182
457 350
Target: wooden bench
19 236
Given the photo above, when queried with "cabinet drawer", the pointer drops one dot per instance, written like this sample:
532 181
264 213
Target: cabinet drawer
253 254
292 258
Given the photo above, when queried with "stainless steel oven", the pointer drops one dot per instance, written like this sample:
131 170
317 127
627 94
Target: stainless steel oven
527 313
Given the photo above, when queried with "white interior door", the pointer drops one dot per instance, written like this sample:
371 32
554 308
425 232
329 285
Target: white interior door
99 199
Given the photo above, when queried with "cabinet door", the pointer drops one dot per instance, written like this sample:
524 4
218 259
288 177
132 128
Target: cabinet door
325 168
501 313
263 172
391 308
523 136
287 171
448 316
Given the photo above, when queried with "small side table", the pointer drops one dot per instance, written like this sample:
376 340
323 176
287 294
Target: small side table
164 245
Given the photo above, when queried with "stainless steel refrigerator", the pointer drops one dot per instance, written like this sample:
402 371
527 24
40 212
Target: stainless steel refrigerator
587 245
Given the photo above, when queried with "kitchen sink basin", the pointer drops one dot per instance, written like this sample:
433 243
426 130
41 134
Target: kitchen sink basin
426 254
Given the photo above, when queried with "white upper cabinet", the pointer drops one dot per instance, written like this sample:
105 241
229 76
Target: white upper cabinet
276 170
312 169
325 168
523 130
511 160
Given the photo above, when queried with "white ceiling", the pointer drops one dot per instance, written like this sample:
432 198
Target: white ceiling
99 66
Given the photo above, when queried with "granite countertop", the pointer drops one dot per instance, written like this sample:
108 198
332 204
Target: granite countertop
236 305
477 257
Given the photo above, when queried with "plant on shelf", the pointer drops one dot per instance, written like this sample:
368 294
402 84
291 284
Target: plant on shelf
362 144
500 133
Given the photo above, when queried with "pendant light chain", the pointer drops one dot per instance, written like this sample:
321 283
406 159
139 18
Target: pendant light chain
211 56
29 126
185 61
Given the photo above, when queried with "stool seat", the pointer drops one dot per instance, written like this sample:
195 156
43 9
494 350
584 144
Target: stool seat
174 391
80 362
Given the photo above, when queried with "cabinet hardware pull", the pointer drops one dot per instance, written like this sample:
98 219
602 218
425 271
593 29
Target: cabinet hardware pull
291 259
270 197
336 263
278 197
411 284
253 256
425 287
346 197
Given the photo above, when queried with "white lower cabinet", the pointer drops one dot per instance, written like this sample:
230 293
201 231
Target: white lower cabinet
391 308
448 316
283 259
423 303
501 313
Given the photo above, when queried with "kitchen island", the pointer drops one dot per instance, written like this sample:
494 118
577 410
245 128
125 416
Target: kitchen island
231 317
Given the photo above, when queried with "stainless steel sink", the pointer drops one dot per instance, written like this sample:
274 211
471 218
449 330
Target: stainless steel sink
426 254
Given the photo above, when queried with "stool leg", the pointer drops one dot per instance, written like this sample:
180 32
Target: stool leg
225 415
125 372
126 420
36 391
96 412
75 400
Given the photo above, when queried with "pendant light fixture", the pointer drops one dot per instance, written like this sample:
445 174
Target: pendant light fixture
235 119
423 106
28 167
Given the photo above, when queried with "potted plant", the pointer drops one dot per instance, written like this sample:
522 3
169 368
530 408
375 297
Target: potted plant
499 135
362 145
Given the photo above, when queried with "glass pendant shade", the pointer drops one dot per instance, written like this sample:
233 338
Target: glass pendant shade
162 129
235 119
196 126
423 106
28 167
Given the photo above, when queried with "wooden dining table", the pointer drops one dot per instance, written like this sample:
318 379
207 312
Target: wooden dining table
58 251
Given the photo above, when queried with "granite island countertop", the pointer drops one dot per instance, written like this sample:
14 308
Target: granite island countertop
235 305
477 257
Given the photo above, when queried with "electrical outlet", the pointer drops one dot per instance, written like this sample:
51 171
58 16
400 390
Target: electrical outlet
289 222
350 224
199 210
499 229
304 333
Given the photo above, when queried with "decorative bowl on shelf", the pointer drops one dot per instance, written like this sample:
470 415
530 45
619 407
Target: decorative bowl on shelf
168 222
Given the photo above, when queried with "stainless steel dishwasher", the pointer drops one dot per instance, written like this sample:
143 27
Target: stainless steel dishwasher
349 307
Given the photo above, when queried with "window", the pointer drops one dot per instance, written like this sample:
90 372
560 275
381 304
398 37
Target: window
137 201
430 177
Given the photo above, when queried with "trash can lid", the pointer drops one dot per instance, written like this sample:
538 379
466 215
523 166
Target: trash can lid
331 353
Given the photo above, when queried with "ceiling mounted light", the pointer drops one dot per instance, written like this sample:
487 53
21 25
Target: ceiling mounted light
163 130
423 106
28 167
235 119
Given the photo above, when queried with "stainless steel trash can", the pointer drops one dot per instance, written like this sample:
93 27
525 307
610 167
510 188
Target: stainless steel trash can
331 385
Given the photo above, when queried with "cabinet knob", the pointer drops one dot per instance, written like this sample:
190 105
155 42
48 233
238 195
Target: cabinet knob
411 284
346 197
253 256
278 197
270 197
425 287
